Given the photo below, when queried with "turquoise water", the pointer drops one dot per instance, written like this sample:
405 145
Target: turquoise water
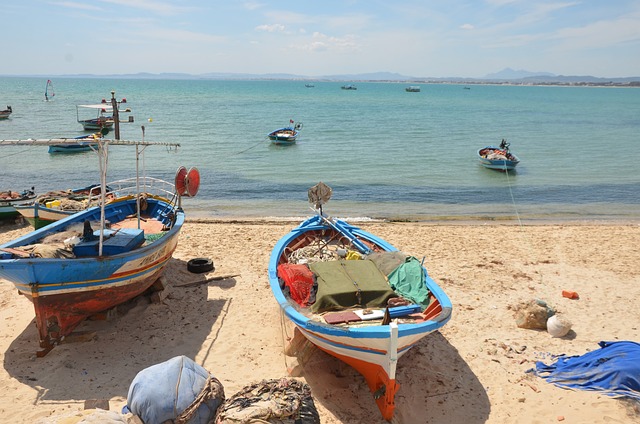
385 152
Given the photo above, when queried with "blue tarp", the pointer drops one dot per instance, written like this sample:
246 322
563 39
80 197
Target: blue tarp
163 391
613 370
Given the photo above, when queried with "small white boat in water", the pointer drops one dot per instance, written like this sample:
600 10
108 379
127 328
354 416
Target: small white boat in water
498 158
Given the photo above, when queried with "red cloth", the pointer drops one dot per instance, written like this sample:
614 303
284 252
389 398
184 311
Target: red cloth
299 280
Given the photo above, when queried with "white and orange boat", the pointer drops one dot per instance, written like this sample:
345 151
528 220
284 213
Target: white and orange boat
356 297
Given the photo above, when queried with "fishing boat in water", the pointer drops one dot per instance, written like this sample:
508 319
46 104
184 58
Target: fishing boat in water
10 199
83 143
412 89
498 158
99 258
4 114
355 296
103 115
286 135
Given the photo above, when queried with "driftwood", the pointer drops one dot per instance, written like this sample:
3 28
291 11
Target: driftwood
207 280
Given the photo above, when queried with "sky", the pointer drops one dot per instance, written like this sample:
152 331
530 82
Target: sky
419 38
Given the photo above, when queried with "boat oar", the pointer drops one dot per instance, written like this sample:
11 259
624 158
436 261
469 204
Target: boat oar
345 232
208 280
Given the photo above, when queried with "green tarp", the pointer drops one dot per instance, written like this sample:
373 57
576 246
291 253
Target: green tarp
408 281
348 283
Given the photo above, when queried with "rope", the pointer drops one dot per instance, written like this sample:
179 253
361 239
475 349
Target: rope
19 153
212 389
513 201
285 336
246 150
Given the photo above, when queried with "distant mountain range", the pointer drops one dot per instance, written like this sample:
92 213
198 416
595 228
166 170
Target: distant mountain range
506 75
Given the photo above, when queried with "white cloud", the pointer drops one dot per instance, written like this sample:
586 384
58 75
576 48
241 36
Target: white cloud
271 28
157 7
601 34
180 36
467 26
323 42
252 5
74 5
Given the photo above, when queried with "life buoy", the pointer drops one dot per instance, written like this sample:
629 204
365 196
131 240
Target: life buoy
200 265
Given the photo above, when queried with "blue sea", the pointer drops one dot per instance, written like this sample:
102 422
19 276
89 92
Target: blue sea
387 153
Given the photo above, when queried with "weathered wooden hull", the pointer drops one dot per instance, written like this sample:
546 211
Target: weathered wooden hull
66 291
372 350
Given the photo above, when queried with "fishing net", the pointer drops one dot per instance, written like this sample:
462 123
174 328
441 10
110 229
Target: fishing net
277 401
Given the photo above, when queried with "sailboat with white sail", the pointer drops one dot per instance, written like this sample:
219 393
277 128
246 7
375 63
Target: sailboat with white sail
48 91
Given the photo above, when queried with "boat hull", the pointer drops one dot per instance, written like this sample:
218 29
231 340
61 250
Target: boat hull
66 291
40 216
96 124
506 164
372 350
283 136
7 211
72 148
8 205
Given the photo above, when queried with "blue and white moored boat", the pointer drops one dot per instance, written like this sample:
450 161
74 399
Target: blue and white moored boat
498 158
353 309
286 135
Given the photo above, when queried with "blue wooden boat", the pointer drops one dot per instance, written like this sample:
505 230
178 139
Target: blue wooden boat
9 200
286 135
362 329
498 158
72 148
101 257
83 143
68 283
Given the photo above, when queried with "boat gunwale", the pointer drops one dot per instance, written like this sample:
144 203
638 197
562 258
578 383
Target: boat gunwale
515 161
40 233
373 331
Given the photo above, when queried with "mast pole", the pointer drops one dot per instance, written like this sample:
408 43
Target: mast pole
115 115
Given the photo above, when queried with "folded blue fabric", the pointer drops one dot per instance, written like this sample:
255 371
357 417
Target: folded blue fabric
613 370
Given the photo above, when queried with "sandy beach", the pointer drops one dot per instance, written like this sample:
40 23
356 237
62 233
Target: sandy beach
473 371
